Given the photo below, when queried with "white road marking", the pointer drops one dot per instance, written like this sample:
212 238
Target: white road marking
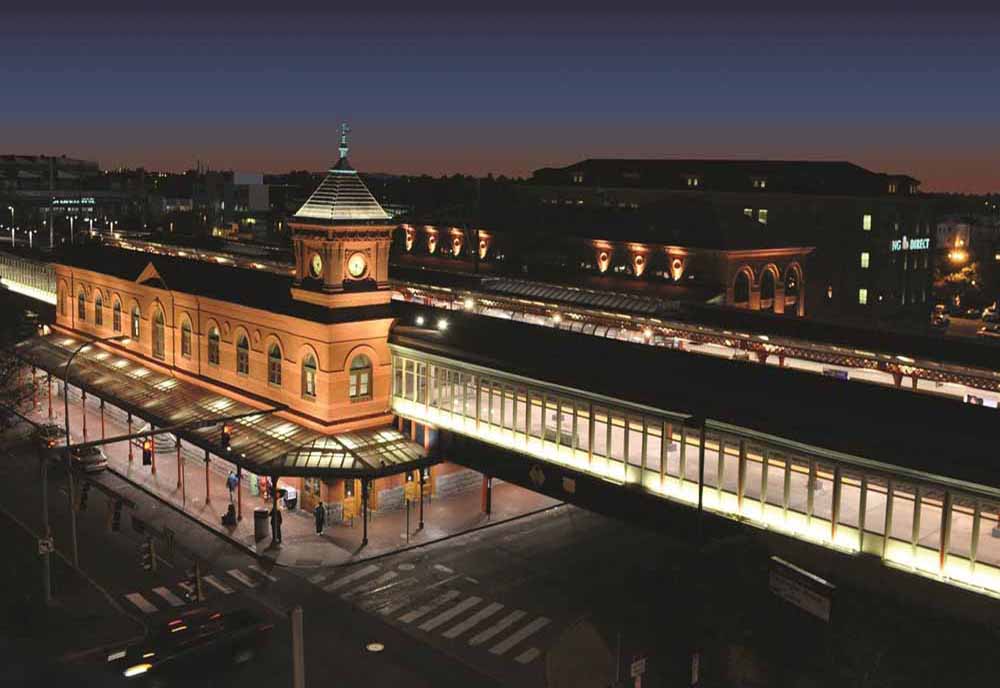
360 573
443 569
512 640
445 616
170 597
257 569
471 580
242 578
500 625
215 583
187 586
142 603
370 585
410 617
528 655
484 613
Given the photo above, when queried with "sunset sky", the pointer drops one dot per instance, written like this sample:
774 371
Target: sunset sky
440 88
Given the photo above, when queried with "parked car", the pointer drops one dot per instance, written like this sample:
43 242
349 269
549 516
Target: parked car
89 459
49 435
940 322
989 331
972 313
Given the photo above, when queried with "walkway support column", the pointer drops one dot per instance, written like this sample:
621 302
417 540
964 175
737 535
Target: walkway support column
50 395
34 390
364 511
421 498
208 494
180 471
487 495
153 437
130 439
102 419
239 493
83 411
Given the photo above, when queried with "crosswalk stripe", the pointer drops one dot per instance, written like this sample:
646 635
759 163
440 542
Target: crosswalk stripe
172 599
360 573
450 614
528 655
500 625
187 586
141 602
410 617
370 585
242 578
257 569
512 640
215 583
484 613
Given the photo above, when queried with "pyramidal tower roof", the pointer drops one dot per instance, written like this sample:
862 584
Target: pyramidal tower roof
342 196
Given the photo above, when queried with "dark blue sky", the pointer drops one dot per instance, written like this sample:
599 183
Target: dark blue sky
435 89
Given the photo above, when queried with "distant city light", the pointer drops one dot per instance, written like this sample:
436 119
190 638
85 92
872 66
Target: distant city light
420 320
442 324
469 304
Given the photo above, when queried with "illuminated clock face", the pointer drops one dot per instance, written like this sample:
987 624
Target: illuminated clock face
316 265
357 265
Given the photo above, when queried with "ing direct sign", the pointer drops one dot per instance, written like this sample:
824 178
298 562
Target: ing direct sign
904 244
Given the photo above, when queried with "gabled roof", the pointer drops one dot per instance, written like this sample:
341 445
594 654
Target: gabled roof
342 197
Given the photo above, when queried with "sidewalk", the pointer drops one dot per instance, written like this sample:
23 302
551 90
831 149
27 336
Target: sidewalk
301 546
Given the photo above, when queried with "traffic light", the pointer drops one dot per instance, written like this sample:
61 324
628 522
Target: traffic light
147 555
84 493
227 434
116 518
147 451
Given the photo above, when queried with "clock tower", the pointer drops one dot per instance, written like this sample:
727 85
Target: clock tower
341 238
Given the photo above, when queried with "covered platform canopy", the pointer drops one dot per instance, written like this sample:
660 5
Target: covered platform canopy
264 444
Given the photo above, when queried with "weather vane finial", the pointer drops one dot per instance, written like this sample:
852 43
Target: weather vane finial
344 130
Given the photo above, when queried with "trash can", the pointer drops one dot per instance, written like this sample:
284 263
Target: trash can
291 497
260 524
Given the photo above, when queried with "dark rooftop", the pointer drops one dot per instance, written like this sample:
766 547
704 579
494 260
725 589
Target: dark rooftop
252 288
878 423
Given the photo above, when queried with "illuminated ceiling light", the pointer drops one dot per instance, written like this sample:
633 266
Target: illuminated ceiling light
442 324
556 318
469 304
374 647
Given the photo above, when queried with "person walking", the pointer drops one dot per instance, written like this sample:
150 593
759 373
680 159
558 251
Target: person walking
276 525
232 482
320 514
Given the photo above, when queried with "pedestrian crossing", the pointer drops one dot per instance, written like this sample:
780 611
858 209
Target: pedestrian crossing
438 608
162 598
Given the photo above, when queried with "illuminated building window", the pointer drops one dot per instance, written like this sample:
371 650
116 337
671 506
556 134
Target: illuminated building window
748 212
274 365
759 183
578 178
892 188
98 310
158 348
693 182
243 355
186 339
865 257
81 307
360 378
116 316
136 318
762 216
866 222
309 377
213 346
829 292
863 296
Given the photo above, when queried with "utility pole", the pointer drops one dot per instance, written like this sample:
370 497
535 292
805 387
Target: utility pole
298 651
46 529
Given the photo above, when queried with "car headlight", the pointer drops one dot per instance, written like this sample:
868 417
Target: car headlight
137 669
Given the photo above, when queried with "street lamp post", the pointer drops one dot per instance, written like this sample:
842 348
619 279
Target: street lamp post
69 458
71 229
11 209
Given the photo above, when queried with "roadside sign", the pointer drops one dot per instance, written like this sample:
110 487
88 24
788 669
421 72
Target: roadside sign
350 509
638 667
805 590
411 490
45 546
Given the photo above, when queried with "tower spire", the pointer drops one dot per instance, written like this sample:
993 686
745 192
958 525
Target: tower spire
344 131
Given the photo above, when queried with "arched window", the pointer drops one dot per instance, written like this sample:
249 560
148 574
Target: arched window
63 301
116 316
766 289
186 338
158 347
243 355
274 365
81 307
360 378
98 309
136 320
741 290
309 377
213 346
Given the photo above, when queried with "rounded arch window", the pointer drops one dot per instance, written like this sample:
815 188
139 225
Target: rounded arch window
309 376
213 345
360 385
767 286
243 355
98 309
741 289
81 306
158 334
116 315
274 364
186 338
136 320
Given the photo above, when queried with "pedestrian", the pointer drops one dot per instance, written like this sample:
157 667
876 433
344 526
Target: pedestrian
232 482
276 525
262 487
320 513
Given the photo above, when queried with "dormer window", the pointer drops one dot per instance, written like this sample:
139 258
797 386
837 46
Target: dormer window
693 182
578 177
759 183
892 188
